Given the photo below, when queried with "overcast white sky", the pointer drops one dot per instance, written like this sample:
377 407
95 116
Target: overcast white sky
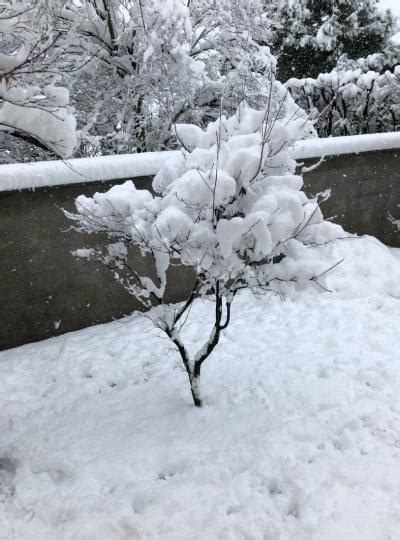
394 5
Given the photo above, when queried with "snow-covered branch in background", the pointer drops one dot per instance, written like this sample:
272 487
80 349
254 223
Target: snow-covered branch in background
33 108
228 206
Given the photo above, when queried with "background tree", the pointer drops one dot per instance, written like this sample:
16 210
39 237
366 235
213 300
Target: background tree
133 68
313 34
229 207
33 108
150 63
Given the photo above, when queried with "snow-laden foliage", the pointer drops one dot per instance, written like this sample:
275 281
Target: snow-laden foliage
137 67
134 68
311 35
131 68
229 206
33 107
350 102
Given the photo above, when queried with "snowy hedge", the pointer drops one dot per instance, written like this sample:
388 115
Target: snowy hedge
350 102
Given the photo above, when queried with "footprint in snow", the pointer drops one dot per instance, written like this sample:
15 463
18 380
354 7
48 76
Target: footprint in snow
8 468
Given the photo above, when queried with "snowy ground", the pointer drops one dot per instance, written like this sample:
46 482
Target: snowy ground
299 440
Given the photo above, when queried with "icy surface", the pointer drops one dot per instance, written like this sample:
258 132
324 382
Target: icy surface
299 438
51 173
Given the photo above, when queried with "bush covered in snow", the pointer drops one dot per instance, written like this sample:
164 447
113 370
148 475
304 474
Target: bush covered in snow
230 207
350 101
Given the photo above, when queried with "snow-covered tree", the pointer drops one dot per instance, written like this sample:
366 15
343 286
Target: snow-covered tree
230 207
312 34
124 58
138 66
34 109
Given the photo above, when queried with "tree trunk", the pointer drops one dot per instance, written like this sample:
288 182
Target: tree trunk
195 389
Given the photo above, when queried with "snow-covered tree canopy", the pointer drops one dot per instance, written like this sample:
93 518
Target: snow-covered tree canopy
229 206
151 63
33 107
131 69
311 35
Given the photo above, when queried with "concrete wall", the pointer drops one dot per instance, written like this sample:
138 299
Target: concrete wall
44 291
365 192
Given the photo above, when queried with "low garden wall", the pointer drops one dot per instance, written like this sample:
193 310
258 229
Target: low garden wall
365 197
45 291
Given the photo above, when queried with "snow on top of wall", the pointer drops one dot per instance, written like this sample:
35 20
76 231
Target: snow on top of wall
17 176
352 144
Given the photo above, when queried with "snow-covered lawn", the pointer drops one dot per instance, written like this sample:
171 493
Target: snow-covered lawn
299 439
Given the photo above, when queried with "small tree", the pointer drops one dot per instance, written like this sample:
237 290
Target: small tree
228 206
